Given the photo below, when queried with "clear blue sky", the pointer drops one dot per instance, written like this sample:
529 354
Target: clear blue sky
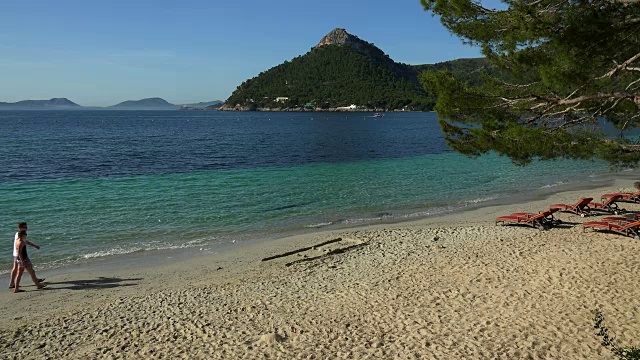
104 52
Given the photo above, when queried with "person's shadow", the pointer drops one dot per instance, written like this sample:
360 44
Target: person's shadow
99 283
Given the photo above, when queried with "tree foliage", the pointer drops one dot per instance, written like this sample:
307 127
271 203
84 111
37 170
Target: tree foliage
563 68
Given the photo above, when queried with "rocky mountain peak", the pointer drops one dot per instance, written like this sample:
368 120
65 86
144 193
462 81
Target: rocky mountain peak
341 37
338 36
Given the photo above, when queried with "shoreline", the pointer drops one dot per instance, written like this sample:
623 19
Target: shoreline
316 110
463 285
160 257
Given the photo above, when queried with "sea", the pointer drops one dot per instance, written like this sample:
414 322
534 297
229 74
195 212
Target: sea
105 187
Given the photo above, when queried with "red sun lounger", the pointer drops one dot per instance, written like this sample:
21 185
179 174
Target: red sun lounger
625 196
630 229
621 219
543 220
580 208
609 205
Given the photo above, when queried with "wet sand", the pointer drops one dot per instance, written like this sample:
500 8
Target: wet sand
455 286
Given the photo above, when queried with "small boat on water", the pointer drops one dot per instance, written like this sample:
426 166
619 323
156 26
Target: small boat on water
378 115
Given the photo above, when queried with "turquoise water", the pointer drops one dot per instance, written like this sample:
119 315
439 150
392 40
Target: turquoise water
99 185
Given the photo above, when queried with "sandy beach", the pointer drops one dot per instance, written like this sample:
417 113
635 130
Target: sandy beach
450 287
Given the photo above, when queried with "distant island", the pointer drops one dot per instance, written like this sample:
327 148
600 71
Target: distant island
142 104
209 105
344 73
51 104
204 104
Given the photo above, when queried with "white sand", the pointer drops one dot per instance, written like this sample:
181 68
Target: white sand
453 287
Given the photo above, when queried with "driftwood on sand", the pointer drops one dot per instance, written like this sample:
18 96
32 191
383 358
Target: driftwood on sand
332 252
301 249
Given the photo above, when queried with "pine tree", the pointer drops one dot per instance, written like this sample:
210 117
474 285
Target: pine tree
563 68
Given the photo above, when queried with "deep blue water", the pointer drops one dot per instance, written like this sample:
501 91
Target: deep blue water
81 144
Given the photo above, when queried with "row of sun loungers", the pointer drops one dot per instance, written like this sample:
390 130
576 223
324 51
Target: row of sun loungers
627 226
584 206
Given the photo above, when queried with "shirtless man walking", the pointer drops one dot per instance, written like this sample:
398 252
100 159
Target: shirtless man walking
24 263
14 270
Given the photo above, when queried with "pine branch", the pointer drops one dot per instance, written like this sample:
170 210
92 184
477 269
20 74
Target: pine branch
600 96
631 84
621 67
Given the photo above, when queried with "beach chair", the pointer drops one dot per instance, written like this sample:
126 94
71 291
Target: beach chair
609 205
621 219
542 220
631 229
625 196
580 208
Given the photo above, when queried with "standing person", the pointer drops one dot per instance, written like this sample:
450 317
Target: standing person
24 263
14 270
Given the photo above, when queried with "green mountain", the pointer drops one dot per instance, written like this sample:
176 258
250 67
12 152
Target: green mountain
340 71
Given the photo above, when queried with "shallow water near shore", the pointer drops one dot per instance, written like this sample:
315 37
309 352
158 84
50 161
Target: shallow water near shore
100 187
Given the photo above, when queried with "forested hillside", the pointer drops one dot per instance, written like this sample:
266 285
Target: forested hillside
468 70
332 75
